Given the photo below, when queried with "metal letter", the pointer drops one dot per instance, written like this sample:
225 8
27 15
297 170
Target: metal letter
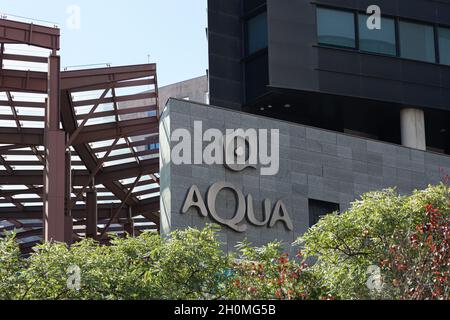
280 213
195 199
251 212
240 212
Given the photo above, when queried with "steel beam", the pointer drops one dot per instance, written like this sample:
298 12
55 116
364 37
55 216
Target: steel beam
86 79
23 81
129 193
149 208
29 33
57 214
129 224
57 224
109 131
85 120
79 212
91 213
81 178
93 174
85 154
27 136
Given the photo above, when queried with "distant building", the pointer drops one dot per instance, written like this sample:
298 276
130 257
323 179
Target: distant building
195 89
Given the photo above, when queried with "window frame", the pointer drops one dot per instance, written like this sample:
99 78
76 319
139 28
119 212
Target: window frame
318 203
397 20
356 31
248 58
438 48
245 19
396 35
435 47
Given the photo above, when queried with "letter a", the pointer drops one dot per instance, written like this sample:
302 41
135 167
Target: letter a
195 199
280 213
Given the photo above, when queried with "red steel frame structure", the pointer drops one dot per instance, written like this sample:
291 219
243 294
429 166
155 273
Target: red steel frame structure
84 167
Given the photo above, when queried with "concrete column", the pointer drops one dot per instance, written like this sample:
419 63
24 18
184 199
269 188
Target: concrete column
413 128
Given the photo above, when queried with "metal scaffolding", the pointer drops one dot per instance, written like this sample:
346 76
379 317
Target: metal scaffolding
79 150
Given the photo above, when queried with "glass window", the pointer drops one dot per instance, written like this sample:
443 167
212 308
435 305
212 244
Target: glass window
377 40
336 27
444 45
417 41
319 209
256 76
257 33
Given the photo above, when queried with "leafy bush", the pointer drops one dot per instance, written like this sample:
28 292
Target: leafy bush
405 238
11 266
396 233
266 273
418 265
147 267
187 265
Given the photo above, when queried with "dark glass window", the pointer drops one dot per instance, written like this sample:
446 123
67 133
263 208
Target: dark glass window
417 41
319 209
256 76
250 5
336 27
256 33
377 41
444 45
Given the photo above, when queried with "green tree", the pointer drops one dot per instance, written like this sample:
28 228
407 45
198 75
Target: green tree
189 265
347 245
270 273
11 268
405 238
183 265
106 272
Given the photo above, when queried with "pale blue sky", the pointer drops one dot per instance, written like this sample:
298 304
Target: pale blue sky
125 32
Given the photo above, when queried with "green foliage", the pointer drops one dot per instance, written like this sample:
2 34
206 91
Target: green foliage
11 266
188 265
181 266
346 245
268 273
418 265
106 272
406 237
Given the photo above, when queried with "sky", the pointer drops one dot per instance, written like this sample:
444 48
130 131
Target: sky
172 32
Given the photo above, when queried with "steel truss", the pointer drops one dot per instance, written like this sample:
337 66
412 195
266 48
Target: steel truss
79 150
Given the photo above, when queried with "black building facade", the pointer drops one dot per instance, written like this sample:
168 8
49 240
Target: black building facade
366 106
318 63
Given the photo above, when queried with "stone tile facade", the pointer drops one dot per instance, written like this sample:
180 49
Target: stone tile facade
314 164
